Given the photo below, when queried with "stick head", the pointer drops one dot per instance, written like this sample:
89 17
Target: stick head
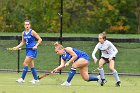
38 78
43 76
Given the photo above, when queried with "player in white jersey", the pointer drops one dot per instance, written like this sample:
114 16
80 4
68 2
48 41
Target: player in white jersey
108 55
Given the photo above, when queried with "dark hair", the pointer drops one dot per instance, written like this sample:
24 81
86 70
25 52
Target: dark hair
27 21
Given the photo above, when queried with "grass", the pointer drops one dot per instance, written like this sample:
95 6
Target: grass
52 85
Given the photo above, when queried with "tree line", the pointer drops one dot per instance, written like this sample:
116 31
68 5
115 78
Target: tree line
79 16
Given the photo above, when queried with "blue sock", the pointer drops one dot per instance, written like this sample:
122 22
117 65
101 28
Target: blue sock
34 73
24 71
71 74
93 78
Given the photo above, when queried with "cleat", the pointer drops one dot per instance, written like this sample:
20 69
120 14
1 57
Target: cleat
20 80
66 84
34 81
103 81
118 84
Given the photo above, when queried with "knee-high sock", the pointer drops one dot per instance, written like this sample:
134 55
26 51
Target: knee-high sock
116 76
101 71
34 73
71 74
24 72
93 78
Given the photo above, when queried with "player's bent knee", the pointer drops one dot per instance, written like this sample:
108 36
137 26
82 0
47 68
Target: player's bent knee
74 66
100 66
24 64
85 78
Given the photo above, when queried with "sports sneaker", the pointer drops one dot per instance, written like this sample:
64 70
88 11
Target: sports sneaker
20 80
34 81
118 84
103 81
66 84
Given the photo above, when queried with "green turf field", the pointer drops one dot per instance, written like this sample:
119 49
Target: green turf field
51 84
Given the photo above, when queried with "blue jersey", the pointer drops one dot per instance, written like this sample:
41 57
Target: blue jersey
30 43
79 53
29 39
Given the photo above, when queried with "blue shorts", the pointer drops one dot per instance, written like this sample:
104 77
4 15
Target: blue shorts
31 53
85 56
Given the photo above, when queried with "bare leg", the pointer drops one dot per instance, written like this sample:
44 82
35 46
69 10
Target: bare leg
115 73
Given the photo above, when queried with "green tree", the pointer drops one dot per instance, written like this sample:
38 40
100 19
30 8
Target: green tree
137 12
79 16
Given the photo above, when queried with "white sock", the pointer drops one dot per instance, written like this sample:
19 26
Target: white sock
116 76
101 71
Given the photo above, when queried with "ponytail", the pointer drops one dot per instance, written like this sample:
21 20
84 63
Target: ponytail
58 46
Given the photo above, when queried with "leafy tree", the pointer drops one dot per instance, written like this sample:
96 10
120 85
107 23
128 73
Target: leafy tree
79 16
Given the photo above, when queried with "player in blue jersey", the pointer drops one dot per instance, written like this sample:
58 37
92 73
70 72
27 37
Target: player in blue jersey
28 38
78 58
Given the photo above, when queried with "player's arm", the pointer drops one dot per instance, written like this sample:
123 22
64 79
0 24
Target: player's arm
94 52
72 53
21 43
62 65
115 51
38 38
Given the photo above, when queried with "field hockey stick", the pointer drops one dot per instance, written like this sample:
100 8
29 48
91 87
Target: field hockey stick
45 75
13 49
96 69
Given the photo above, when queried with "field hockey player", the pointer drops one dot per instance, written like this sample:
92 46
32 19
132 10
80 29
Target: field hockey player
78 58
108 55
28 38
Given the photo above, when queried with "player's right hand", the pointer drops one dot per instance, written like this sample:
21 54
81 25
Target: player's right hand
67 64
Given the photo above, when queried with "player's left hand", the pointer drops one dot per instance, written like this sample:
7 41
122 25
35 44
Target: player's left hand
95 60
67 64
34 48
55 70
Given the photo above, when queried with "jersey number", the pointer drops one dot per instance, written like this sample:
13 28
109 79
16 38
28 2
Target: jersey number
27 41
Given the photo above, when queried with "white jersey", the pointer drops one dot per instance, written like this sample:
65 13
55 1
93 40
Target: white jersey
107 48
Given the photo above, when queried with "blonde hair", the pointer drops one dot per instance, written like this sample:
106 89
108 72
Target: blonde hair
58 46
103 34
